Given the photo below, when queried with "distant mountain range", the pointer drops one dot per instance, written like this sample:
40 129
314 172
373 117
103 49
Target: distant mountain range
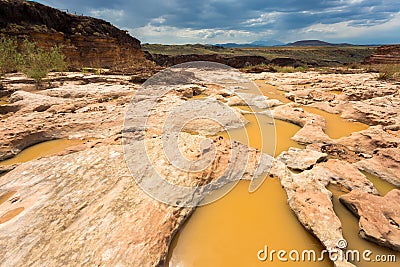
278 43
253 44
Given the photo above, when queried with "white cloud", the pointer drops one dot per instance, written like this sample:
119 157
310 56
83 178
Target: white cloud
159 20
263 19
347 30
114 15
173 35
219 21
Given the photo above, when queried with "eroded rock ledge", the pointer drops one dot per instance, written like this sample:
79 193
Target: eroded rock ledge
379 216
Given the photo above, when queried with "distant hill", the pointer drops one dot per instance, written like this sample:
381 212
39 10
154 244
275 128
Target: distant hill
315 43
253 44
278 43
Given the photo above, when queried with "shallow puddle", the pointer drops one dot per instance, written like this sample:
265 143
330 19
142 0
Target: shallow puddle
200 96
41 150
10 214
231 231
381 185
336 92
6 196
271 91
3 100
266 134
355 242
336 126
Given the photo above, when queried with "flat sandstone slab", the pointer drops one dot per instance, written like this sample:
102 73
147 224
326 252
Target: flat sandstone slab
379 216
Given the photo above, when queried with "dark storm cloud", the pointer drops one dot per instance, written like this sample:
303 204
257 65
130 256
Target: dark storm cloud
252 15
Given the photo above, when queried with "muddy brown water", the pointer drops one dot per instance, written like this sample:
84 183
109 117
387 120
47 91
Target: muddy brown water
41 150
266 134
271 91
10 214
336 126
6 196
3 100
232 230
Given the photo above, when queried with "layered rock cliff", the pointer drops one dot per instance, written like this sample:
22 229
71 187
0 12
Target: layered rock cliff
86 41
386 54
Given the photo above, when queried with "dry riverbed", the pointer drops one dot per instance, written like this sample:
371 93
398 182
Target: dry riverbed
79 204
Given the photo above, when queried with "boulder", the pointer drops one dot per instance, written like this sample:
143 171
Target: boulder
301 159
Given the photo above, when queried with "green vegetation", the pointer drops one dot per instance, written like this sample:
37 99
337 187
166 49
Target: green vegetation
30 59
272 68
286 69
329 56
96 71
37 62
10 59
388 71
175 50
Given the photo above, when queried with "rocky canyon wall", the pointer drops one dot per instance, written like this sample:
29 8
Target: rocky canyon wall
86 41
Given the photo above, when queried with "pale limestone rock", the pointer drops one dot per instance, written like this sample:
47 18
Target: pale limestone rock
384 164
379 216
313 125
301 159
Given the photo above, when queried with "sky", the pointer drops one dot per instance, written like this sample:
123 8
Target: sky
241 21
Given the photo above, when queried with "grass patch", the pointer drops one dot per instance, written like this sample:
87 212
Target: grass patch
286 69
388 72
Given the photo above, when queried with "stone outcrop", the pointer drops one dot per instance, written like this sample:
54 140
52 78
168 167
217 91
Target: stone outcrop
358 97
347 176
375 111
386 54
313 125
311 202
301 159
73 111
86 41
385 164
379 216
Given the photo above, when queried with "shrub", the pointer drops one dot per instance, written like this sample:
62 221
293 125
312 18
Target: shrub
30 59
285 69
389 72
302 68
37 62
10 58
